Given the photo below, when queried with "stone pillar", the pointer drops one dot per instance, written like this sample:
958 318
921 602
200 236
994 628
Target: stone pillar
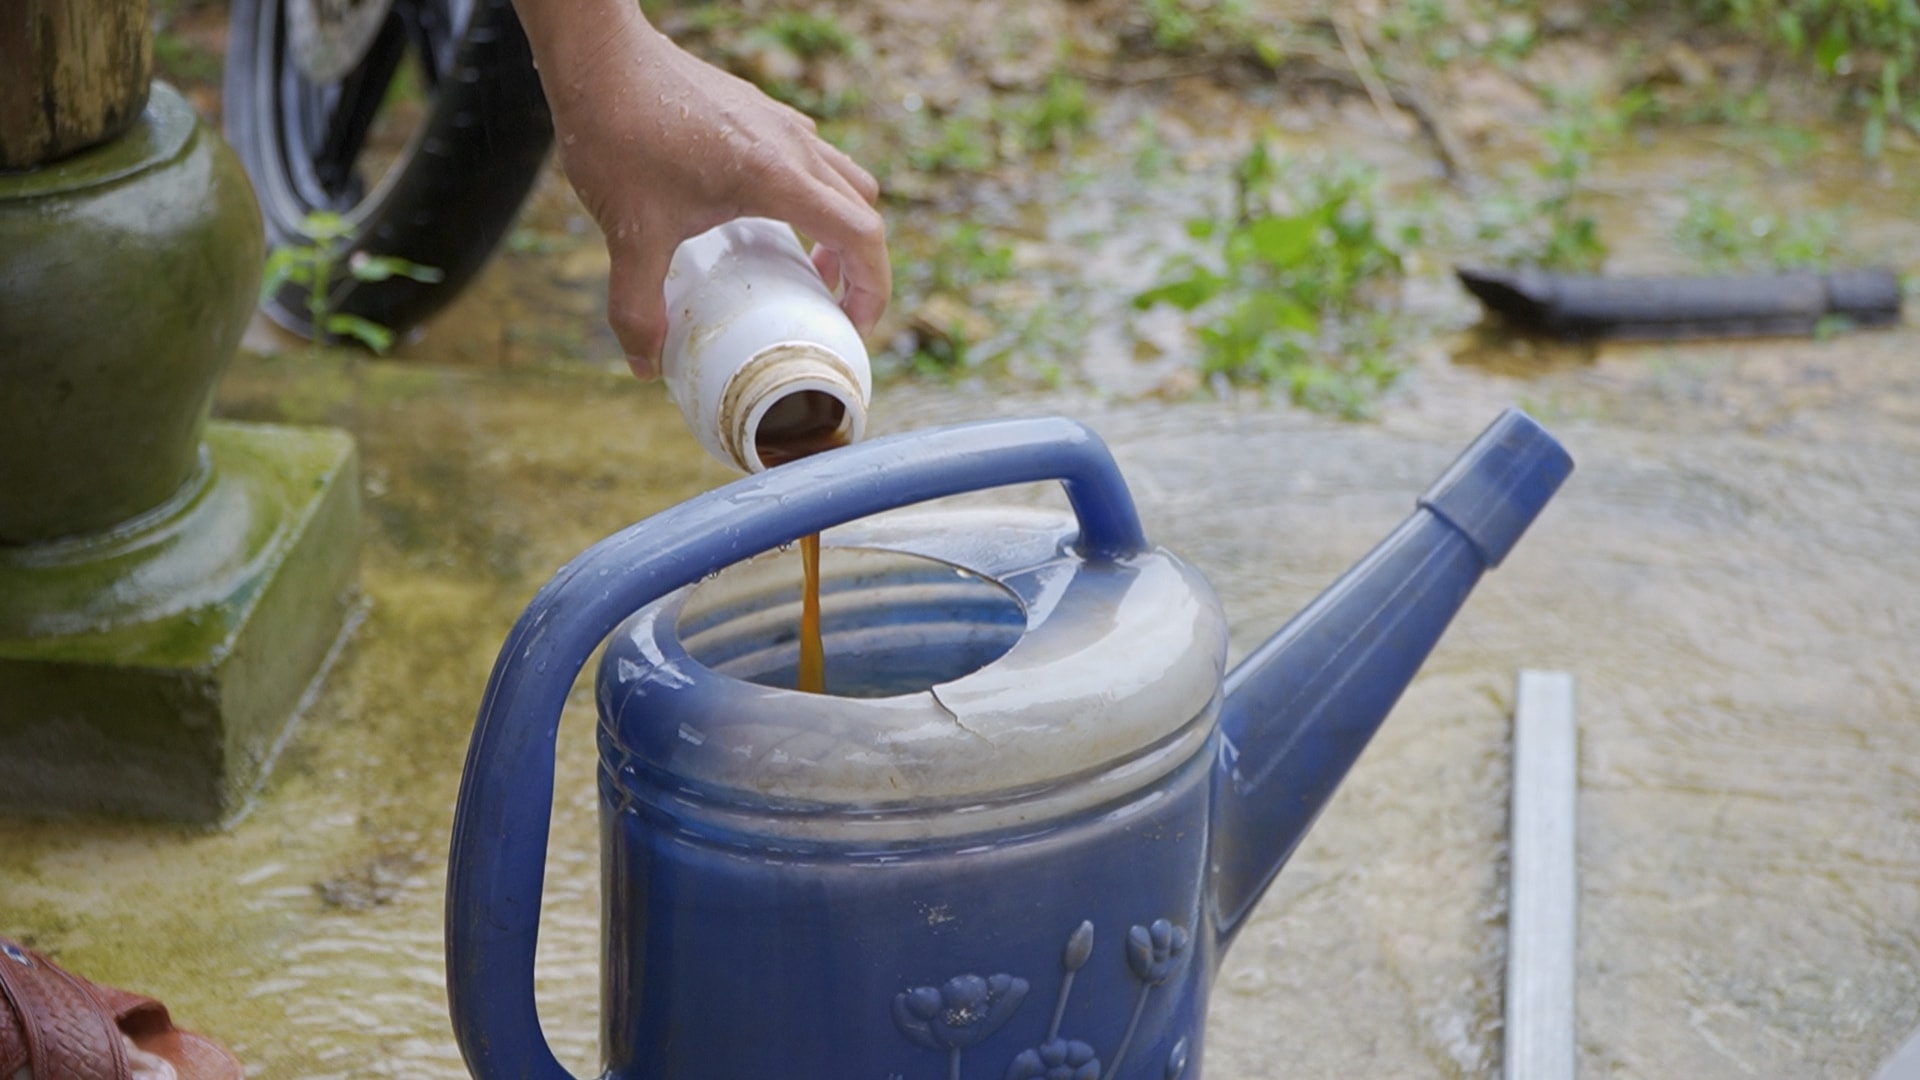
168 587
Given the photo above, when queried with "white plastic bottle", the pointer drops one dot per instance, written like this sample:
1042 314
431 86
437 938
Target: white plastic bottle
759 357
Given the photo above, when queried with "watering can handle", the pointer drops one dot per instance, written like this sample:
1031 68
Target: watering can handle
506 793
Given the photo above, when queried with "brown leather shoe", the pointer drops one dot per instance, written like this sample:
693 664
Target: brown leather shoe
58 1026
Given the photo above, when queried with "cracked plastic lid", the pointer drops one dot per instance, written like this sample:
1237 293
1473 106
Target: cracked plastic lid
969 654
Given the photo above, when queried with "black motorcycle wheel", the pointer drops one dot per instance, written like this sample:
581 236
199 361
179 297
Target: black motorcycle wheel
449 193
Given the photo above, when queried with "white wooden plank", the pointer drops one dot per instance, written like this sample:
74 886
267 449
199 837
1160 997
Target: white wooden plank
1905 1062
1542 911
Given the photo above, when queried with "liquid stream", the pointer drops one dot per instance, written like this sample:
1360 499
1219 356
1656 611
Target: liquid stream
823 431
812 678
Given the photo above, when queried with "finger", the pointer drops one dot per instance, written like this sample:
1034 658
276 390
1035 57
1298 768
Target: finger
857 236
836 170
826 263
636 301
863 304
809 123
868 287
866 270
862 181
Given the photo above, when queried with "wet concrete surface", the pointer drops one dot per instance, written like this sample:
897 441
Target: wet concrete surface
1730 576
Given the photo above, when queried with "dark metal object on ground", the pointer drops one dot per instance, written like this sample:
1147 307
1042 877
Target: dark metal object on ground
1593 308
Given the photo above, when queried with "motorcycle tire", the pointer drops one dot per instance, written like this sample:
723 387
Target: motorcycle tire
449 196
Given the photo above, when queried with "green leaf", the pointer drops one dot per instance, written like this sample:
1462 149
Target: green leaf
283 265
1832 49
1282 242
1186 295
1792 31
365 267
1294 315
365 331
322 226
1254 173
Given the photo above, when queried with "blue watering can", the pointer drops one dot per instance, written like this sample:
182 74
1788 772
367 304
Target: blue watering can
1018 833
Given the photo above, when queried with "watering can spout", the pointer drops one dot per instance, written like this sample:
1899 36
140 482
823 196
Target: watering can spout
1299 710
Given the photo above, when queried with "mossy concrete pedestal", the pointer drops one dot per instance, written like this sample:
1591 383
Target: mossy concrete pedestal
168 588
151 670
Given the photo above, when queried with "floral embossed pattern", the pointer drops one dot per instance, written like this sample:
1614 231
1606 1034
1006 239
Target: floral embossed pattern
966 1009
960 1012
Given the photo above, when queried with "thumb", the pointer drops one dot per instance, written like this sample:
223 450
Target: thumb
637 303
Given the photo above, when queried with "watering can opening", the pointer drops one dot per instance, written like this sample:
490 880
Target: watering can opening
891 623
972 656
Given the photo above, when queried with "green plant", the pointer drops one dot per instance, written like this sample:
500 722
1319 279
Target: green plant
967 255
1151 155
697 20
796 56
993 132
810 35
960 143
1051 120
1219 27
1871 47
1031 338
970 313
1573 237
939 279
179 58
944 355
1516 34
1847 39
1297 296
1174 25
1044 336
1728 232
1414 20
177 55
1539 220
315 264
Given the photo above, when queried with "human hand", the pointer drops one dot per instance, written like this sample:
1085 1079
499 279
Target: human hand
662 146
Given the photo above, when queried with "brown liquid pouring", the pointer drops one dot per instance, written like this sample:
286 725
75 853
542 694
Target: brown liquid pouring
813 653
798 427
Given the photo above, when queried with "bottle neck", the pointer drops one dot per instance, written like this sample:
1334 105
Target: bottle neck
789 401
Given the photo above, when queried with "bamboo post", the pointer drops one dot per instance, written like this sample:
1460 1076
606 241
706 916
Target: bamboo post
73 74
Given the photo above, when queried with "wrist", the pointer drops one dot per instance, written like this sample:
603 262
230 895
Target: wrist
568 37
